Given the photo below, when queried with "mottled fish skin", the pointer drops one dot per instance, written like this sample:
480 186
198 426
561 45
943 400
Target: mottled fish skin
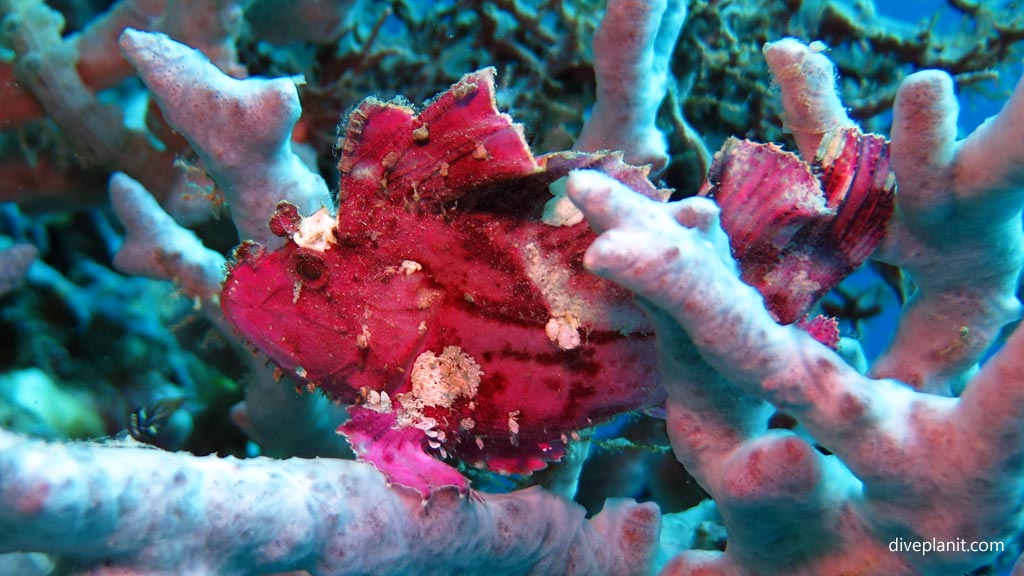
440 242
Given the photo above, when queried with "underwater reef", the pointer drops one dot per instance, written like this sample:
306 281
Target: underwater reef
551 287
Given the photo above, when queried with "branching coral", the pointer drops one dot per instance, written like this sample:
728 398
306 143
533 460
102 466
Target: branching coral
244 138
46 64
632 48
446 295
133 510
61 76
957 231
718 61
906 465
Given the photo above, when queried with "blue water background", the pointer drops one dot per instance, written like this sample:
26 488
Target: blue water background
982 101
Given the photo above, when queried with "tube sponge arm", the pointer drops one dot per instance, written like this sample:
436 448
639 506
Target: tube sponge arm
130 510
241 130
902 461
957 226
632 49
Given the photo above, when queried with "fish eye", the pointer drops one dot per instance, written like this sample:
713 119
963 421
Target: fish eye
309 268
